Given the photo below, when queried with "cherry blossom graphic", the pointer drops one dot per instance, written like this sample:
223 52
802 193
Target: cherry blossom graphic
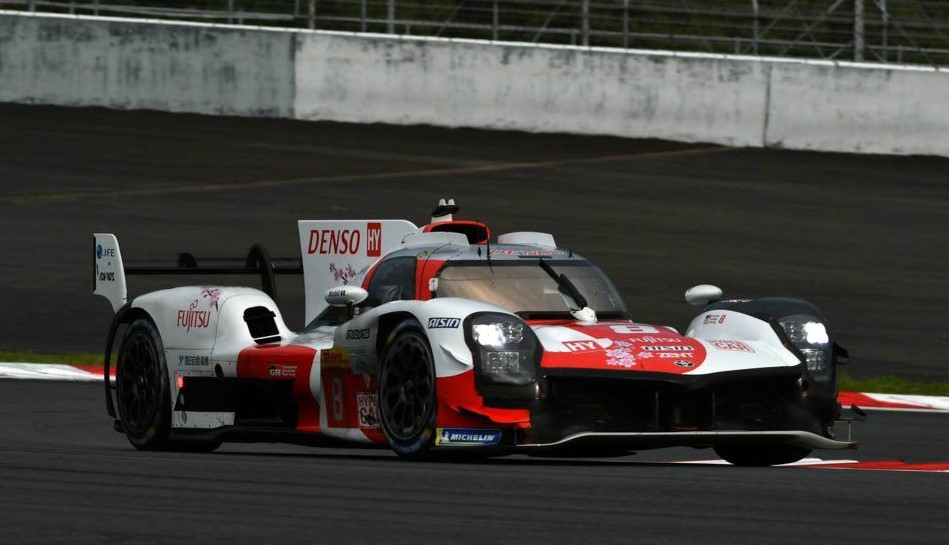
343 275
212 295
619 355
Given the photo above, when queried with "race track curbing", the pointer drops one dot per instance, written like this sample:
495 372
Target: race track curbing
92 373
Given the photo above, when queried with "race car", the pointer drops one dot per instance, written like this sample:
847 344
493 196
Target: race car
440 339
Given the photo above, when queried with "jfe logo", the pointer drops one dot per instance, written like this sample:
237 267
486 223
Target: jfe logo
104 252
373 239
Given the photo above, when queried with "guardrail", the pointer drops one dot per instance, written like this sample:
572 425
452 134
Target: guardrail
886 31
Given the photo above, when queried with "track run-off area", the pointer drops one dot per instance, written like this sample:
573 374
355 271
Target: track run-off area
863 237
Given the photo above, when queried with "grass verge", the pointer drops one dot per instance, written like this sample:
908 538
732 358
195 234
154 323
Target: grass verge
887 384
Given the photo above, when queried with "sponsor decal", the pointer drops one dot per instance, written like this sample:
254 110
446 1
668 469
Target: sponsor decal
194 318
336 293
373 239
334 241
357 334
465 437
283 371
735 346
194 360
659 340
667 348
342 274
673 355
525 253
582 346
104 252
714 319
334 358
106 277
684 363
367 408
633 329
444 323
619 355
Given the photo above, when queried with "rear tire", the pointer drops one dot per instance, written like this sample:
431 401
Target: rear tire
143 392
142 387
761 455
407 399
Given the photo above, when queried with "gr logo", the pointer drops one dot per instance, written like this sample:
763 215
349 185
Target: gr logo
443 323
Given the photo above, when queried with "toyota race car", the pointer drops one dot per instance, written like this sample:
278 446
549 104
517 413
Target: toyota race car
437 339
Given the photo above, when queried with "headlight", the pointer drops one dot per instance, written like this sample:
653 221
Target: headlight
505 349
809 335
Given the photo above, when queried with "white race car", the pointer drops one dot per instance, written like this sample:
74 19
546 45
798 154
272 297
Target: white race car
437 339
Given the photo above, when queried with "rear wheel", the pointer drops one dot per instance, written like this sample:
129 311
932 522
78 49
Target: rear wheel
407 401
143 392
761 455
141 387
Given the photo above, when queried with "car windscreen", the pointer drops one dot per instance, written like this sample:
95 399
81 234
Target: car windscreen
525 288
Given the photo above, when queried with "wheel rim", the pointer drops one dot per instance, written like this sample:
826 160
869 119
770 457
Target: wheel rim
138 384
407 388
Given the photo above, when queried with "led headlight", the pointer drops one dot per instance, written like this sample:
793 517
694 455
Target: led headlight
505 349
809 335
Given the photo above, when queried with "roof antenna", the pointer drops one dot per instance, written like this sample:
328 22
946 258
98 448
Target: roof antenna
445 211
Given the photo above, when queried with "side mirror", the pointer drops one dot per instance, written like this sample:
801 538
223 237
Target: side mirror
702 295
345 296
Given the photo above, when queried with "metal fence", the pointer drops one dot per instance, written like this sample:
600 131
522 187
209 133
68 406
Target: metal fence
888 31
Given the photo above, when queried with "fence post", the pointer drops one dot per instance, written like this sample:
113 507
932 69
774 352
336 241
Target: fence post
754 37
886 30
391 16
626 24
230 12
495 17
32 5
585 22
312 14
362 15
858 23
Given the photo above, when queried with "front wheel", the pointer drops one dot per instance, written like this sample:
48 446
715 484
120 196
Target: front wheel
407 401
761 455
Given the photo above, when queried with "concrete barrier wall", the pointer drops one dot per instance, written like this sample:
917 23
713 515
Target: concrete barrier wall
740 101
463 84
179 68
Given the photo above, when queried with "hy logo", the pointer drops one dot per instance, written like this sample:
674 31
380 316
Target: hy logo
98 251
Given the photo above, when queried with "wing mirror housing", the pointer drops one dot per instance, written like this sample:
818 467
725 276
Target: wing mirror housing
346 296
702 295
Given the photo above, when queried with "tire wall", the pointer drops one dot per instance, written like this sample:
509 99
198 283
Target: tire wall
312 75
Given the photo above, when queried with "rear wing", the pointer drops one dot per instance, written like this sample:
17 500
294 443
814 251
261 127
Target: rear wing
109 270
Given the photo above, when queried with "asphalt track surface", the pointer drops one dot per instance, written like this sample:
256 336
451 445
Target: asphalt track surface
66 477
863 237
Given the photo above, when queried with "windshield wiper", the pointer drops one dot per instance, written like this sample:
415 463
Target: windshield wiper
564 285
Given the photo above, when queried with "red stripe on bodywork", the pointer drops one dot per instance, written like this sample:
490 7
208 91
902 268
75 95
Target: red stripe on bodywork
459 405
631 347
270 362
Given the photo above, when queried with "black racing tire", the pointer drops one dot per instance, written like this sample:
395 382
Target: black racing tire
761 455
142 387
407 397
143 392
